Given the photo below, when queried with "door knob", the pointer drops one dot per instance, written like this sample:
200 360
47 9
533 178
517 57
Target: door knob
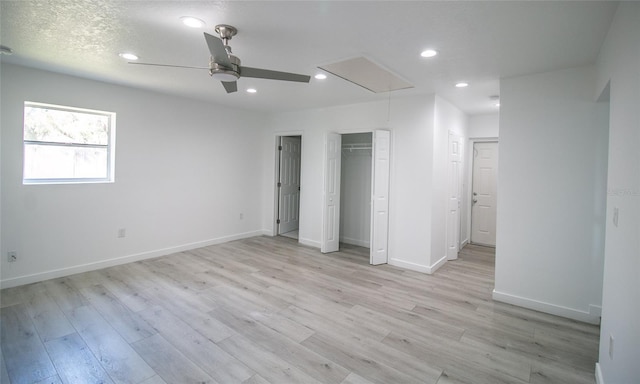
475 201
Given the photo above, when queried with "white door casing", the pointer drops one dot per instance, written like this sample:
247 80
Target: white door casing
484 193
331 210
454 191
381 145
289 183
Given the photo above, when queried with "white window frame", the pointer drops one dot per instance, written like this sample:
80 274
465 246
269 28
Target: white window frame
110 147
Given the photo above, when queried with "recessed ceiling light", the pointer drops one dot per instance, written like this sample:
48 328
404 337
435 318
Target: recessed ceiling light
429 53
252 90
462 84
320 76
192 22
128 56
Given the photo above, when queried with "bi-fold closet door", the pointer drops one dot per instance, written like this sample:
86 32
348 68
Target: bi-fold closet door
381 141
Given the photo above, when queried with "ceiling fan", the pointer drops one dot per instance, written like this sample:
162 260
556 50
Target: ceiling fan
225 66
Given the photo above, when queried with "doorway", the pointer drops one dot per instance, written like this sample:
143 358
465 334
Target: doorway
355 190
484 193
377 192
288 186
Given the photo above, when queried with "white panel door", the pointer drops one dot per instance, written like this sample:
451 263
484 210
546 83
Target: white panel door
331 209
289 183
378 251
483 210
454 190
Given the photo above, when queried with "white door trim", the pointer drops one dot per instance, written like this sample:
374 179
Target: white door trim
276 176
346 132
470 185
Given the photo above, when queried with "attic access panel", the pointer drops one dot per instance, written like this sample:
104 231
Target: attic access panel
367 74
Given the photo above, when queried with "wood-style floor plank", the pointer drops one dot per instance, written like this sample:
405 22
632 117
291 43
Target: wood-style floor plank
267 364
171 365
74 361
114 353
128 324
47 317
269 311
217 363
24 354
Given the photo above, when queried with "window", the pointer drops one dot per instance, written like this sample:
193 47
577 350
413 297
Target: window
67 145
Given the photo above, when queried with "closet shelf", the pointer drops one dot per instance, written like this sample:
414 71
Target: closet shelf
356 146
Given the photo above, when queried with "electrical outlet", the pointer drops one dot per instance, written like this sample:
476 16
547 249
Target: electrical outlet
122 232
615 216
611 347
12 256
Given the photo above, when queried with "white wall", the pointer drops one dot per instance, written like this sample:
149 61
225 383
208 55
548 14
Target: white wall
484 126
411 121
551 188
417 212
618 63
355 191
185 170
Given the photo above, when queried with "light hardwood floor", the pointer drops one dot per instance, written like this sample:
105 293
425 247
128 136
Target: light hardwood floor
266 310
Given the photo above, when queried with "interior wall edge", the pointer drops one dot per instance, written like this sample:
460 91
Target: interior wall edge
592 316
67 271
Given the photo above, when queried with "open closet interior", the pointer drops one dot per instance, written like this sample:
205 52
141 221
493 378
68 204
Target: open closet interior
355 189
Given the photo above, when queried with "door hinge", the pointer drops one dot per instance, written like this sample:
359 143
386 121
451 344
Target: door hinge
279 147
279 184
298 188
278 221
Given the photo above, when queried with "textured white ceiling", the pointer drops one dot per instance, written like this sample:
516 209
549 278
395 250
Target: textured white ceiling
479 42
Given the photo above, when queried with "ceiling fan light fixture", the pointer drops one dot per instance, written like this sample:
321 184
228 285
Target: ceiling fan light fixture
251 90
320 76
227 76
429 53
128 56
462 84
192 22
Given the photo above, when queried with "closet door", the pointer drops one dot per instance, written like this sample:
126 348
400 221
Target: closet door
331 209
380 197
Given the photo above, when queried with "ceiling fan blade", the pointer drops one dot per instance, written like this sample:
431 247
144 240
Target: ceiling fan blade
230 86
273 75
218 51
168 65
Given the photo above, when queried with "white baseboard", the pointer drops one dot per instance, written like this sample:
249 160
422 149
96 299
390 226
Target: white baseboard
438 264
592 317
309 242
418 267
599 378
357 242
595 310
53 274
409 265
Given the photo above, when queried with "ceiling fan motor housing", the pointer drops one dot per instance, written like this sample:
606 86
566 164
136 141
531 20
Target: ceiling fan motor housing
223 73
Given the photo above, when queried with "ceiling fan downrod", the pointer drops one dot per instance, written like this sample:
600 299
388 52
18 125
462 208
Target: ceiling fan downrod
226 32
